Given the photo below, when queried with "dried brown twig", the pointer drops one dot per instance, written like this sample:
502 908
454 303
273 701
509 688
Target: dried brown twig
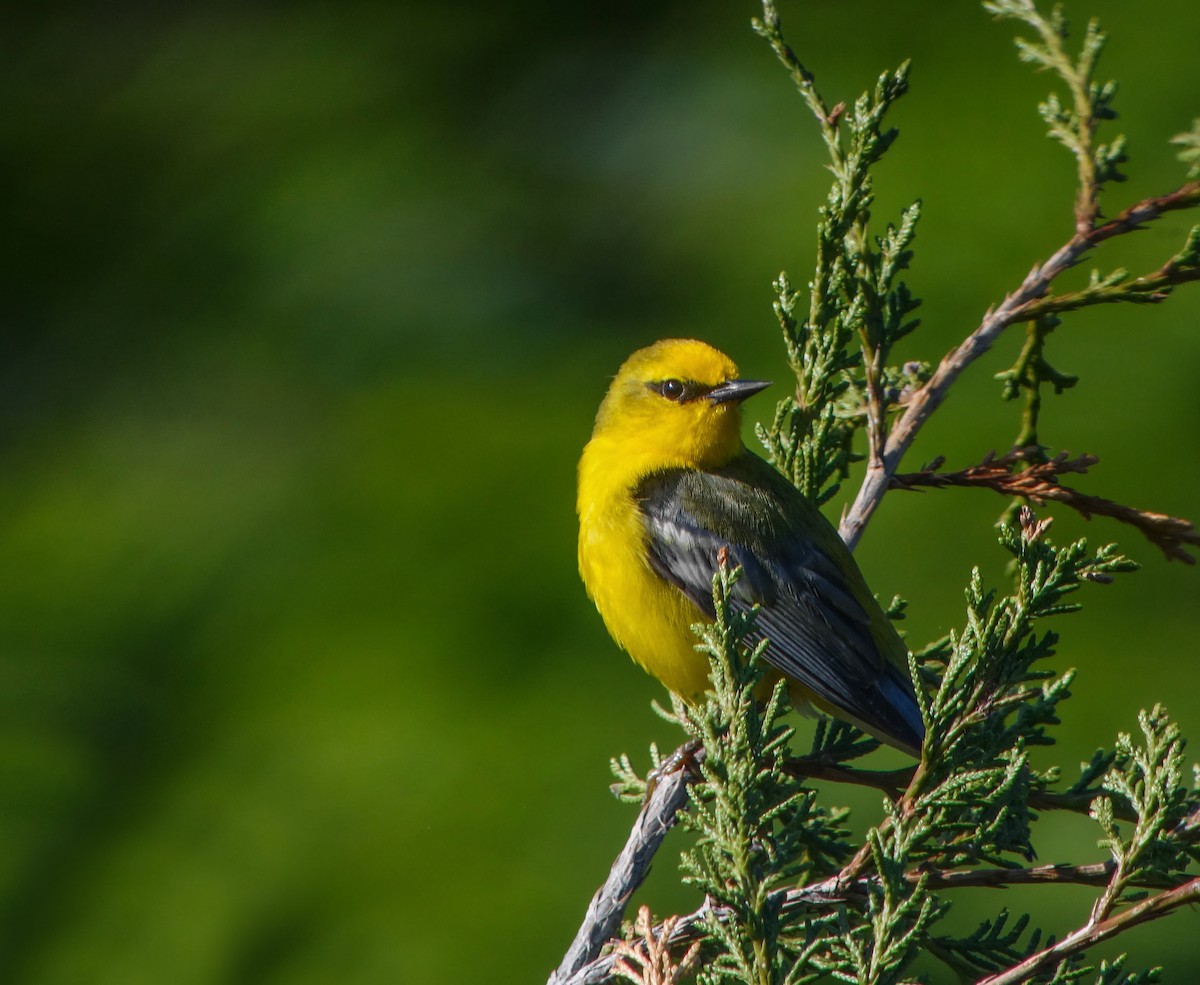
1018 473
646 959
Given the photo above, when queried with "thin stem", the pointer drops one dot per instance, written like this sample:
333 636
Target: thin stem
1025 376
769 27
1092 934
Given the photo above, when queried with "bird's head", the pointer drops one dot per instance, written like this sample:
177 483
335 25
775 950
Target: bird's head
679 399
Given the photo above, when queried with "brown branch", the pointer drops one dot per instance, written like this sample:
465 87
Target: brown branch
1038 483
1136 216
906 804
1016 307
1096 874
996 472
1094 933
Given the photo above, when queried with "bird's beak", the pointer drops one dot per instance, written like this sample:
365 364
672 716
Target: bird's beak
736 390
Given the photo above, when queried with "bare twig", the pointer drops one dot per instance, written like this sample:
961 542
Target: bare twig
997 472
1147 210
1038 482
631 867
1148 909
1019 306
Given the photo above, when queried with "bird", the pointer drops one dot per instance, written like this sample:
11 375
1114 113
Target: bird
666 487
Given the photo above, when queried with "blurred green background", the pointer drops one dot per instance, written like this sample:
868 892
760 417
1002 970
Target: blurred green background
307 309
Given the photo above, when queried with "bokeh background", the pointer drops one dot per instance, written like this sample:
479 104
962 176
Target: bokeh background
307 309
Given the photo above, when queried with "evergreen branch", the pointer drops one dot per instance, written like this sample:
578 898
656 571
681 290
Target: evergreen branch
1148 778
692 926
670 796
968 799
1080 940
854 293
1115 287
1074 126
1151 288
835 891
1016 307
1038 482
769 28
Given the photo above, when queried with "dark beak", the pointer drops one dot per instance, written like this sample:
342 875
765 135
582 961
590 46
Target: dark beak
736 390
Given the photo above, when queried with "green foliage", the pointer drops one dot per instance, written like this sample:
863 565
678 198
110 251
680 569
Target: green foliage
854 295
1150 779
757 830
991 947
1073 125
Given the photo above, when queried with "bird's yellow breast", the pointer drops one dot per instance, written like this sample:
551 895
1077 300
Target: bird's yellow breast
647 616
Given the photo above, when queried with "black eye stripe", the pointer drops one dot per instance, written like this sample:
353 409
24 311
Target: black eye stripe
679 391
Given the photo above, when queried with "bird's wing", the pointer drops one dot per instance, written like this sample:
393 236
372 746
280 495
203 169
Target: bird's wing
825 629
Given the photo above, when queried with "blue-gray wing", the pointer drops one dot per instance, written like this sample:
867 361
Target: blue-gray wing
825 629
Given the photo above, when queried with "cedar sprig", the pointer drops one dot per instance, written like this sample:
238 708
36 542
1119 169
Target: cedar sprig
858 308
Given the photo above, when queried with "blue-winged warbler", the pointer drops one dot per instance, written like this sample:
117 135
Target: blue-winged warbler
664 483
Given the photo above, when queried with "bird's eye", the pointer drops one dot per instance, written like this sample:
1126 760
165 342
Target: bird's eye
672 389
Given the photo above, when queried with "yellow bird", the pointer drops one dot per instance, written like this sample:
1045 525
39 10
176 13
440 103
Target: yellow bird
664 483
